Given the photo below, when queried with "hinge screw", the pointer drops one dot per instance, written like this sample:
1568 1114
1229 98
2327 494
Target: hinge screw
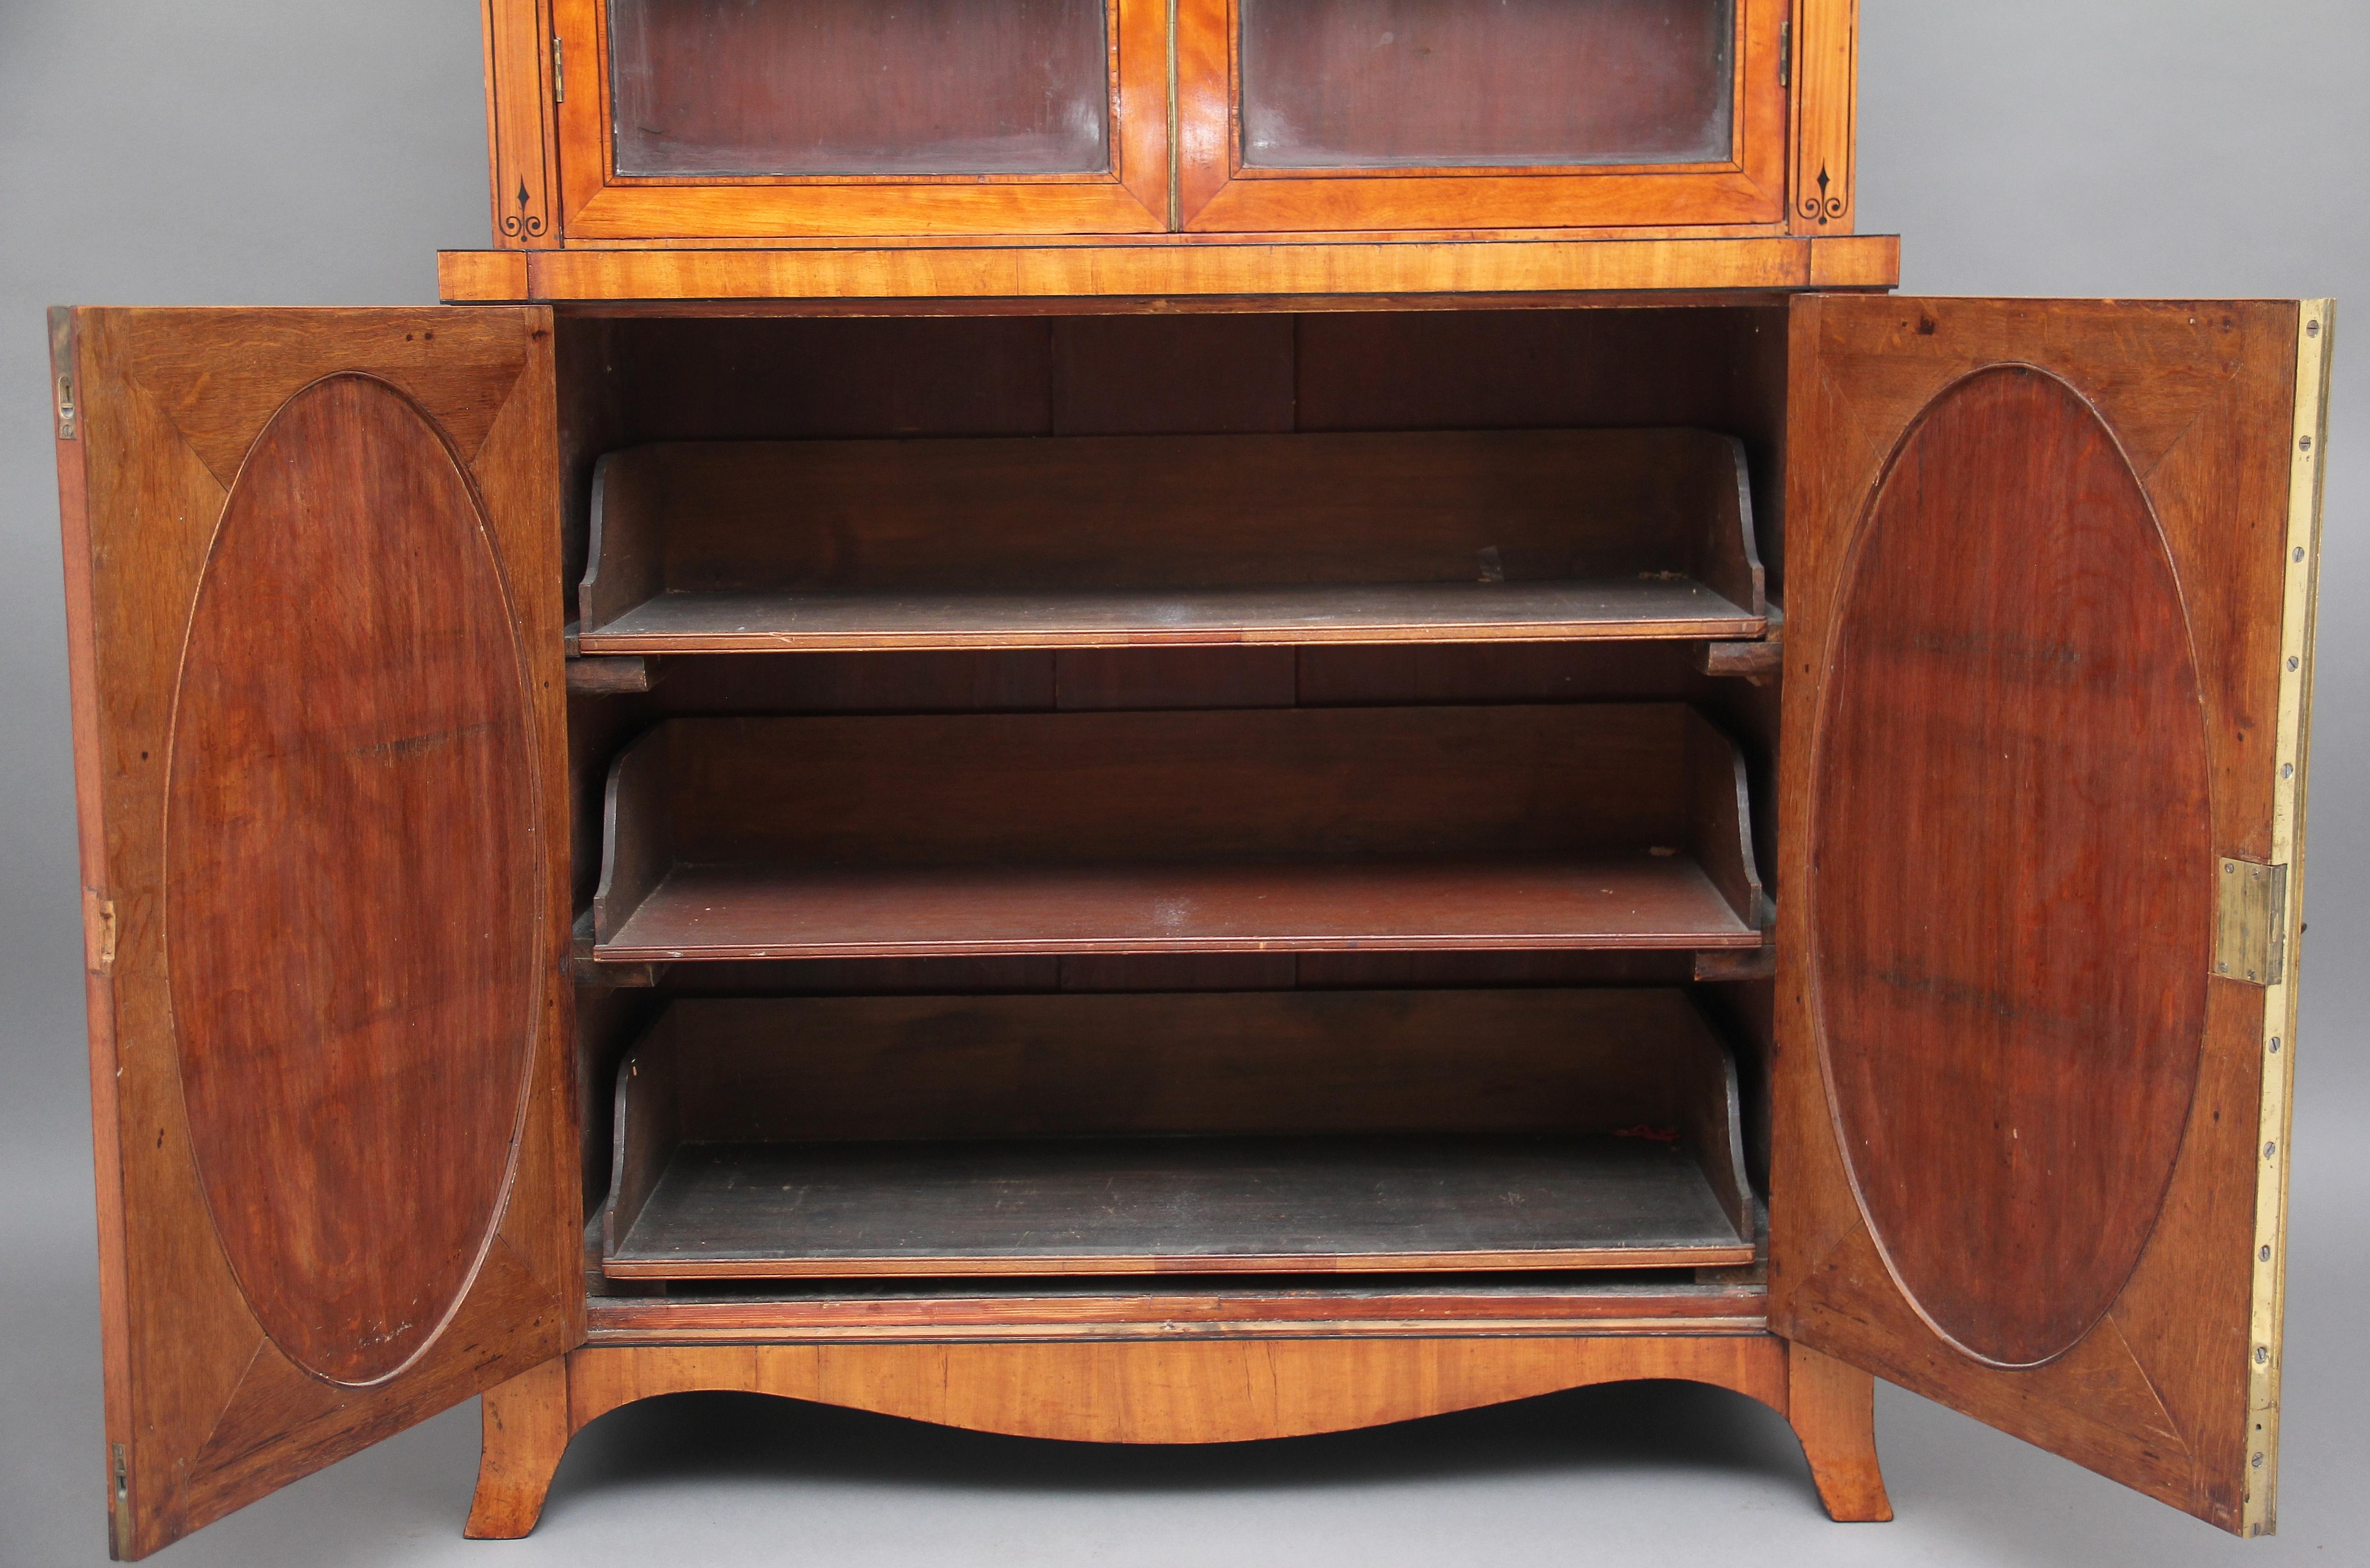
2265 1255
2312 328
2296 663
2263 1351
2299 552
2275 1045
2270 1149
2306 444
2257 1461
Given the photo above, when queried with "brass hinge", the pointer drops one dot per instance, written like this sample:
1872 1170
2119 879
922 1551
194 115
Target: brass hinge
1785 54
62 368
559 71
98 932
2250 940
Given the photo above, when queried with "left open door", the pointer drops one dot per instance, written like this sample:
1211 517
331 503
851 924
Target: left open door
313 610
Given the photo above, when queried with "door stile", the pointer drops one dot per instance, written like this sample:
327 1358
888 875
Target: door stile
98 911
2315 329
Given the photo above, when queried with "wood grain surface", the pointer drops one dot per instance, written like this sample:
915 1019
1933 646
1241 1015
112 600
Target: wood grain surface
2102 659
1393 273
770 1138
1185 1392
350 1003
1196 1393
1189 1306
723 547
2012 669
208 1405
1100 1207
1176 832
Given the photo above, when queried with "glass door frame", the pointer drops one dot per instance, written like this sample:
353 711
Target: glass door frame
1218 193
601 206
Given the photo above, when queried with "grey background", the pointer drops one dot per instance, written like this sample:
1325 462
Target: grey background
297 152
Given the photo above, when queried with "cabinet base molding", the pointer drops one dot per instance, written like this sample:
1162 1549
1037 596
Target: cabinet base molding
1202 1392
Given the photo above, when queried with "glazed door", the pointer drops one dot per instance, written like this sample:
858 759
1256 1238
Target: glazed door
2050 599
1509 114
313 612
687 119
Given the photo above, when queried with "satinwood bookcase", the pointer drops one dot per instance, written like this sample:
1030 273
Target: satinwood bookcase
1182 720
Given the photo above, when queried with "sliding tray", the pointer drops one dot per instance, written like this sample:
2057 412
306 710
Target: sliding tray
1410 829
1272 1131
1108 541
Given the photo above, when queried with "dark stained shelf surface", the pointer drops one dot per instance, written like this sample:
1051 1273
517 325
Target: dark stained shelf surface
1360 613
1612 902
1176 1205
1116 541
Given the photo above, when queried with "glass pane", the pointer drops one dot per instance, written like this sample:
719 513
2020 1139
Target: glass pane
861 87
1380 84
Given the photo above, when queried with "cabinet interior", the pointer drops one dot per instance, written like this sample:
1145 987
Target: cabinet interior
1282 800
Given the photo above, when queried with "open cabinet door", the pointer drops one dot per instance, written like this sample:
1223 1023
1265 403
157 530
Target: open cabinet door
314 611
2050 631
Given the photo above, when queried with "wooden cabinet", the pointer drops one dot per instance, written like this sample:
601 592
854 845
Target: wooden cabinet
625 121
1172 841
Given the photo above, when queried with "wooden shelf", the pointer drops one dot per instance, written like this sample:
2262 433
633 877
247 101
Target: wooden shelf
1304 906
1391 1132
1119 541
1622 826
1176 1205
1413 612
1367 271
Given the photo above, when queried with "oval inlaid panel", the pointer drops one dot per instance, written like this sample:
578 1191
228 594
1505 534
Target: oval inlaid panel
2011 867
350 905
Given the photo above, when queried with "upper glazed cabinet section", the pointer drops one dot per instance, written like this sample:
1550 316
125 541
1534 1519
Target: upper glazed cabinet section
642 121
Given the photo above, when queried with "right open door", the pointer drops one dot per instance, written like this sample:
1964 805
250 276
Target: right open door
2050 629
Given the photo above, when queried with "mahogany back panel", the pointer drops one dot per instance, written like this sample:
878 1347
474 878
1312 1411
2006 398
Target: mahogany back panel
2042 553
1162 511
891 792
332 1114
807 379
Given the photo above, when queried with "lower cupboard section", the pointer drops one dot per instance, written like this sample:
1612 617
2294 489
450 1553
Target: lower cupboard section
1214 1133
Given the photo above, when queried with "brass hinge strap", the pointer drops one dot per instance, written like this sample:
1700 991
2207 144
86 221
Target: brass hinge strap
98 932
2251 933
559 70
